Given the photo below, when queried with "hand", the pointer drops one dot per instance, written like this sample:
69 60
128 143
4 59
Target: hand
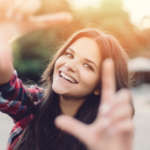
25 7
113 127
10 8
16 19
20 15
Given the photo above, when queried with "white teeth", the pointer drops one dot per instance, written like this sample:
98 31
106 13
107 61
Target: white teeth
67 77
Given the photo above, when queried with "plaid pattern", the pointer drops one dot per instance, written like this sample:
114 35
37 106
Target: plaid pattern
19 102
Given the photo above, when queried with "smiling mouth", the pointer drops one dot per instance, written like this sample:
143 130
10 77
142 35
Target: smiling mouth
67 77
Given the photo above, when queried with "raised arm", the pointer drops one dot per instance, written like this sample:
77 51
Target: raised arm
11 28
13 24
17 100
17 18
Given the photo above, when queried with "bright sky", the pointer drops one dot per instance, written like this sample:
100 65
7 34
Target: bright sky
137 8
82 3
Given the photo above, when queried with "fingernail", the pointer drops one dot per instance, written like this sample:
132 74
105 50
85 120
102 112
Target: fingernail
108 61
59 119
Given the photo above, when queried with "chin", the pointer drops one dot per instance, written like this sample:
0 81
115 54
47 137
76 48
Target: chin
59 90
69 94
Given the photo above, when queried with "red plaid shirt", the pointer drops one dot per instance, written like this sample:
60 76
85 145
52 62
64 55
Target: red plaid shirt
19 102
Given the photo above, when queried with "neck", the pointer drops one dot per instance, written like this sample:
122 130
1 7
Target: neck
70 106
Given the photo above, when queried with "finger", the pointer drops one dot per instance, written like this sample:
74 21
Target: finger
122 100
123 128
122 135
108 86
116 115
119 100
120 105
52 19
26 7
121 115
108 80
124 95
72 126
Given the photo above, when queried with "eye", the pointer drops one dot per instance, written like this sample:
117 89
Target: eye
68 54
88 66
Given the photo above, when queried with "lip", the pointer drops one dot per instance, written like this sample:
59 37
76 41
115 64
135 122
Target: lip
70 76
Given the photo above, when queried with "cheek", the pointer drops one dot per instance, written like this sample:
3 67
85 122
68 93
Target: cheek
59 62
89 79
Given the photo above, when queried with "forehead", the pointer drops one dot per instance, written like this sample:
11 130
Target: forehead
87 48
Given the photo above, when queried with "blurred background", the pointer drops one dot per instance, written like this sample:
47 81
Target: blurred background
127 20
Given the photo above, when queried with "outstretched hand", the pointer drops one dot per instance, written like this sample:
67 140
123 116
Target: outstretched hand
113 127
17 18
20 14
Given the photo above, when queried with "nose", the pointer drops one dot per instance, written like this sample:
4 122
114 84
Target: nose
71 66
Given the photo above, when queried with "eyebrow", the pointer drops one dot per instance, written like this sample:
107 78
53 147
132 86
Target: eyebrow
70 49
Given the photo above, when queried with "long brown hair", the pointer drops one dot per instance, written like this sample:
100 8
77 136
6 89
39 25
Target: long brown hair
41 133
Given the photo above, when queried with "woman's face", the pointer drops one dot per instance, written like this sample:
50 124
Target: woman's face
77 71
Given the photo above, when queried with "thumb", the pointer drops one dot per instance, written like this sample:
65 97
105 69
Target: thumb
72 126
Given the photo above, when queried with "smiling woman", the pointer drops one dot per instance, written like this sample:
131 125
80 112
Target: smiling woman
80 65
74 83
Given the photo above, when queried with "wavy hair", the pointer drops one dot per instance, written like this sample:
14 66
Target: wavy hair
41 133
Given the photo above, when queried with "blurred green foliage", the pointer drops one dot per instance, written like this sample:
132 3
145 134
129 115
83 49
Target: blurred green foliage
33 51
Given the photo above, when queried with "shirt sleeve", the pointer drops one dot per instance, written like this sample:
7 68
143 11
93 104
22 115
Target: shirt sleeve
18 100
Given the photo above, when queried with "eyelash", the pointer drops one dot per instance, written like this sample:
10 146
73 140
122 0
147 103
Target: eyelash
88 66
69 55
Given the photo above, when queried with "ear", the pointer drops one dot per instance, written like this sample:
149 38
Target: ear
97 92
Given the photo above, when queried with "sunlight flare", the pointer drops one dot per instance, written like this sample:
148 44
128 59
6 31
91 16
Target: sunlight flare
85 3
